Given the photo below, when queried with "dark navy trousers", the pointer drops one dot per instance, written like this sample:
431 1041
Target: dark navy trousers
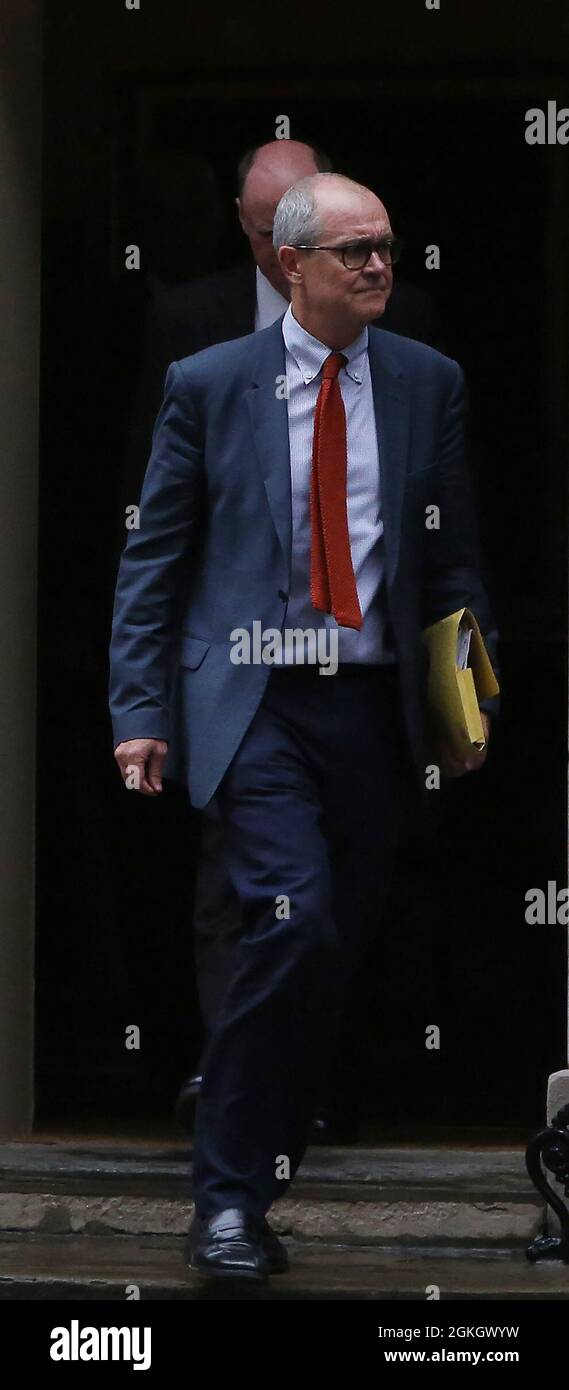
310 807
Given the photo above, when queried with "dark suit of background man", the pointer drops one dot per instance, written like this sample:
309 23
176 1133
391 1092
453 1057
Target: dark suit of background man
185 319
304 512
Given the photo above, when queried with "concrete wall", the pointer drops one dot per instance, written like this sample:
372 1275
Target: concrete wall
20 129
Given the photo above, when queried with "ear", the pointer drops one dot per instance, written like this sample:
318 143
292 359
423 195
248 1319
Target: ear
239 213
290 264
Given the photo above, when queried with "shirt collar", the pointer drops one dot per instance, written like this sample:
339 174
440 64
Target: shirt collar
310 354
270 303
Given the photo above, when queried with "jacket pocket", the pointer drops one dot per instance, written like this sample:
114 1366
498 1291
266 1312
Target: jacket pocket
421 476
192 650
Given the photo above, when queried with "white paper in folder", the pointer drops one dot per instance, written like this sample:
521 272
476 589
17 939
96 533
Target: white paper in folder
463 647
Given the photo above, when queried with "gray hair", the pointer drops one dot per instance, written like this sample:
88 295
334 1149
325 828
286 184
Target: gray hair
295 218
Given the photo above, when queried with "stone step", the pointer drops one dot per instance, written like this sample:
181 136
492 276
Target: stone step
359 1196
45 1267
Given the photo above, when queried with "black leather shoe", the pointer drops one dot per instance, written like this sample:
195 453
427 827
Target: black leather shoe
229 1245
186 1102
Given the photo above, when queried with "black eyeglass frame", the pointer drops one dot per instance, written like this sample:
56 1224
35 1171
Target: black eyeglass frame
395 245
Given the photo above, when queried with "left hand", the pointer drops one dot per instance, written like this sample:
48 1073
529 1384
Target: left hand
452 766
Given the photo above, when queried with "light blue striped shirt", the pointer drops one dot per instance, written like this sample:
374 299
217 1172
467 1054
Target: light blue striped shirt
304 360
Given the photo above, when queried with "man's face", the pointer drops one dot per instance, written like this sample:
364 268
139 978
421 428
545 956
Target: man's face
257 223
278 165
325 287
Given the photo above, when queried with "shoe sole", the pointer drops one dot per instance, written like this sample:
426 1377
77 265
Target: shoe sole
250 1276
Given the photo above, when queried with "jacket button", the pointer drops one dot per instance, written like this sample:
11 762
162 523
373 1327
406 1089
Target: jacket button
283 595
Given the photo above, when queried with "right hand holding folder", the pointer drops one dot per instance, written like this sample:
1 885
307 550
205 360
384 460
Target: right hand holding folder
460 675
453 766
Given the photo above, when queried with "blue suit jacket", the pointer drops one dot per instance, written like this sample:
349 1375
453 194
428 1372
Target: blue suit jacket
213 549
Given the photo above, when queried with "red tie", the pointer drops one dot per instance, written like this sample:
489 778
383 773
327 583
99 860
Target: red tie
332 580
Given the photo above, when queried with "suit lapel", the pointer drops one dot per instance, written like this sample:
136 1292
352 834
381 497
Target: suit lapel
269 418
391 407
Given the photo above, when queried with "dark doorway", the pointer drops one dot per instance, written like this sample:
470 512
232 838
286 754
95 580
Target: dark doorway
443 144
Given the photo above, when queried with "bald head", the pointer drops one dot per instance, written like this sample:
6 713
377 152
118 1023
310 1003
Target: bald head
319 206
270 169
273 169
338 198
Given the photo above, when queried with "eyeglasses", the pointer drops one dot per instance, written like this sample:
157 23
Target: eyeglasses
356 254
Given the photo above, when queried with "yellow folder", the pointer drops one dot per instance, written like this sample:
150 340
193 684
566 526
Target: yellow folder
460 674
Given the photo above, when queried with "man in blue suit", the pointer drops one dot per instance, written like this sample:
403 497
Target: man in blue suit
284 512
